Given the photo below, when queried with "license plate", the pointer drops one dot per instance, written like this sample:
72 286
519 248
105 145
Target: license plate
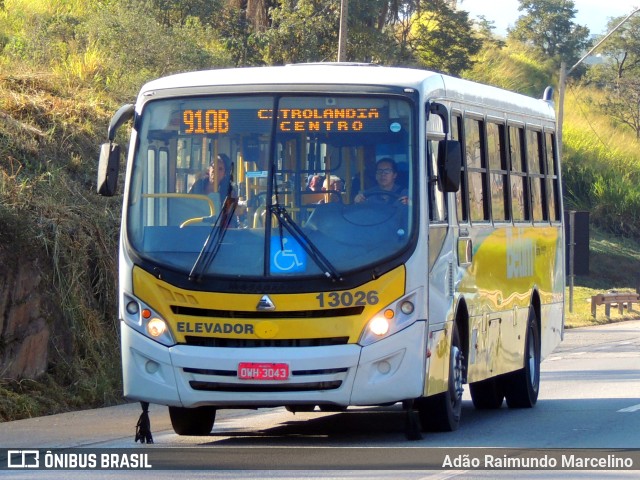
263 371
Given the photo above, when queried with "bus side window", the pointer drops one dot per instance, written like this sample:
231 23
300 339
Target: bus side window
552 178
437 198
519 189
536 178
461 197
498 176
475 162
435 185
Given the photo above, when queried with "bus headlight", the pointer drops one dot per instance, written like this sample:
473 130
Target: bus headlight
379 326
143 319
393 318
156 327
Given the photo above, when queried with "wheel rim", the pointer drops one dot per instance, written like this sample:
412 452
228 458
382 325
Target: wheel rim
457 368
532 359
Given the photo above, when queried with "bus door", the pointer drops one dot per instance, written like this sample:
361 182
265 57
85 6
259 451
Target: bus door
443 167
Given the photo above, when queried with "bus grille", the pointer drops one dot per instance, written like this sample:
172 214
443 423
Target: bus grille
233 373
289 387
197 341
207 312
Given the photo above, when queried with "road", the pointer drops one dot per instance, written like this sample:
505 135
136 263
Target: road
590 398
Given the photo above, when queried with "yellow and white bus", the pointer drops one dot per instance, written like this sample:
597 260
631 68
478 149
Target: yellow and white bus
434 258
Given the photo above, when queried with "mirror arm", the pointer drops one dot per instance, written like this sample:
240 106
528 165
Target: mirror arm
124 114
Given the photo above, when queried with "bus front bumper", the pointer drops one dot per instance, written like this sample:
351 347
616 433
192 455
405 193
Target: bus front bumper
390 370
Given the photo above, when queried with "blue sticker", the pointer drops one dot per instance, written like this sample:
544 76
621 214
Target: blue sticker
290 259
395 127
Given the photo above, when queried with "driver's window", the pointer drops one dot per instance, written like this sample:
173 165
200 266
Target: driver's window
437 198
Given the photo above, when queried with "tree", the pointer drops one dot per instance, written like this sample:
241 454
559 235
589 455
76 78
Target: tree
171 13
134 47
548 27
307 30
239 25
619 75
371 36
302 31
441 38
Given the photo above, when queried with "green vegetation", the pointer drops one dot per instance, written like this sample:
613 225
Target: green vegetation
614 265
67 65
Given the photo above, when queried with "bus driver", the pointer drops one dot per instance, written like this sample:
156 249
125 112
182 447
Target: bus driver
386 190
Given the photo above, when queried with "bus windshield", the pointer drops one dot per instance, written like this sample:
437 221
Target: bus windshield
272 185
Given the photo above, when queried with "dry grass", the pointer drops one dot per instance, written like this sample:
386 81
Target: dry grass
581 314
53 220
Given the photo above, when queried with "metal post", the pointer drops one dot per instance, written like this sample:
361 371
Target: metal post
572 243
563 79
342 37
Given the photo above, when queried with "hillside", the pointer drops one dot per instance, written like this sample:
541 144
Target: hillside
58 247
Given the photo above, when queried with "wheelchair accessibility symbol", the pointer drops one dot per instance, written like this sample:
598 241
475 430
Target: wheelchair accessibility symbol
290 259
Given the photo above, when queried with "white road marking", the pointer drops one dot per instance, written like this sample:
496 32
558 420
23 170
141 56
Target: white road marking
633 408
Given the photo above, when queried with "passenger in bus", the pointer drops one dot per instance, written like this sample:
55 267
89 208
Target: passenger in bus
315 183
334 187
216 173
387 189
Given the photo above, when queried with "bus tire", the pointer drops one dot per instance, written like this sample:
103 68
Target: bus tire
192 421
522 386
441 412
487 394
332 408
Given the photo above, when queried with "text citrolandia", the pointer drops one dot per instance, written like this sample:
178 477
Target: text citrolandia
431 257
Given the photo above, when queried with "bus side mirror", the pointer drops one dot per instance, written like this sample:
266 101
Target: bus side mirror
108 169
449 165
110 153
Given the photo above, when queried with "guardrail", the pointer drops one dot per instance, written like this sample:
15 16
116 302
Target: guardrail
608 299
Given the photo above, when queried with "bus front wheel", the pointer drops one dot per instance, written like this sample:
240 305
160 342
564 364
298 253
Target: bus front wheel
192 421
441 412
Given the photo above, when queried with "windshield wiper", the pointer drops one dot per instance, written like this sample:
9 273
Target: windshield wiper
285 220
216 234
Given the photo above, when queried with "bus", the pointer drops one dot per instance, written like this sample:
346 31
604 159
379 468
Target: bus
432 259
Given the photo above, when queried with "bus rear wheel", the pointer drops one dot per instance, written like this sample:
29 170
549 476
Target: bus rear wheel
192 421
487 394
522 386
441 412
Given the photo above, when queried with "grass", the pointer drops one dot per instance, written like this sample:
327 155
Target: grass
581 314
614 265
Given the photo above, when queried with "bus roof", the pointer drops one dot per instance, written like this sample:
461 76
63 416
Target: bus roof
310 73
430 83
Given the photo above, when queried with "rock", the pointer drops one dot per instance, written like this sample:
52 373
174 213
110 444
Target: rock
24 332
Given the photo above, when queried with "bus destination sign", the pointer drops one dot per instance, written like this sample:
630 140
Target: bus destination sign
290 120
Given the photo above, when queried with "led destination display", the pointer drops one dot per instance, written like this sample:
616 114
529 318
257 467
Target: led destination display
322 120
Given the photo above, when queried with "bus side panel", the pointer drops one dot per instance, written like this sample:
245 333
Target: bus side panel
552 321
508 265
439 347
551 327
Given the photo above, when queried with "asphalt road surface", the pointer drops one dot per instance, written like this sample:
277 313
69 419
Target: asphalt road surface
589 399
